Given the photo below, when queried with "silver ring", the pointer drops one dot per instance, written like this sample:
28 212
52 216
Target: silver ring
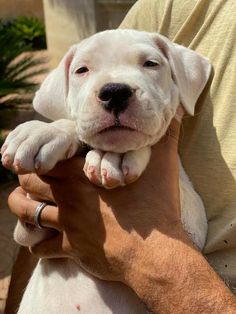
37 215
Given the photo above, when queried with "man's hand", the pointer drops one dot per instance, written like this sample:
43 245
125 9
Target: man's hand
132 234
100 223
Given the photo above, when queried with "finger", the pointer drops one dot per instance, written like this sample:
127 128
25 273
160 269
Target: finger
50 248
34 185
24 208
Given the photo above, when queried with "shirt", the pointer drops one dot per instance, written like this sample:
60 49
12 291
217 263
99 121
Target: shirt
207 143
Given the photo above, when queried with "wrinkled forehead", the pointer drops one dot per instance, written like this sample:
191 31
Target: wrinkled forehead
116 46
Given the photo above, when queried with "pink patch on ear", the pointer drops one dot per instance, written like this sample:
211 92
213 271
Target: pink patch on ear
163 48
67 64
78 307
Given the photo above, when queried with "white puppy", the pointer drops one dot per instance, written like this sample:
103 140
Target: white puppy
116 91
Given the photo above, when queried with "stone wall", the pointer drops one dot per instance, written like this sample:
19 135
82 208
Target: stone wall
13 8
69 21
110 13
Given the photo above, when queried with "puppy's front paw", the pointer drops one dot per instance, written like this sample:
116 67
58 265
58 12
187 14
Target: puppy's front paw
112 170
92 166
104 169
37 146
134 163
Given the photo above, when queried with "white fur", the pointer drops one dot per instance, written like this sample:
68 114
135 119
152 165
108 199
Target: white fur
118 157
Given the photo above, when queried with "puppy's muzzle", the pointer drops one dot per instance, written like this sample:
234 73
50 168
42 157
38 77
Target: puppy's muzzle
115 97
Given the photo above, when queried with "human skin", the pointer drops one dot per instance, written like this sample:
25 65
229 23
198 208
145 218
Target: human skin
132 234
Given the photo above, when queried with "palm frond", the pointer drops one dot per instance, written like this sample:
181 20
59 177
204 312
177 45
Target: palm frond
15 102
17 68
14 68
16 87
33 74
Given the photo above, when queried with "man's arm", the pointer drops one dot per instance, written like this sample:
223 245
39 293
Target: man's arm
185 283
165 270
132 234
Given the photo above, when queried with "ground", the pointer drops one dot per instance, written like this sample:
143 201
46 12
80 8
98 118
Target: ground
8 247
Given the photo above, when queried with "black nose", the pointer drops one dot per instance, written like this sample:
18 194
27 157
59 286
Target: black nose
114 97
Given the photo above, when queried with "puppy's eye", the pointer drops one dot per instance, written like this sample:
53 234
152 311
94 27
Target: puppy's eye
150 64
81 70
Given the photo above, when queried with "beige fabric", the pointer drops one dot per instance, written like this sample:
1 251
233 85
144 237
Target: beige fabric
207 144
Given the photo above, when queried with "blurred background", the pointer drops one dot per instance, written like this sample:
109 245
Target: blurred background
34 35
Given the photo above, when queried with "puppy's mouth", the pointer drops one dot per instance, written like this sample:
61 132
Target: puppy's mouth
118 137
115 127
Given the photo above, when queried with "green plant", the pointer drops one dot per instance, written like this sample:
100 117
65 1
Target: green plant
18 70
19 65
28 31
16 86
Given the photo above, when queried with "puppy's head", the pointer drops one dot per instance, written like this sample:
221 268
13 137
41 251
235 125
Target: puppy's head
123 87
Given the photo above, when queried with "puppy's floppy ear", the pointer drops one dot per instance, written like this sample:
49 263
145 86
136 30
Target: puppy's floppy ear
190 71
50 99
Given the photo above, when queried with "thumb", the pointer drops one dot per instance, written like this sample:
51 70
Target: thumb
64 170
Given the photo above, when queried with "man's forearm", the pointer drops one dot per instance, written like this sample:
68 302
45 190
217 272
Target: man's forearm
185 283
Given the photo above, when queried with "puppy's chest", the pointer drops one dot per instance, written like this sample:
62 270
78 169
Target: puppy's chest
60 286
65 288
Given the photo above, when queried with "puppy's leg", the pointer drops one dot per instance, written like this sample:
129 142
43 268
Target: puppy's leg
28 235
92 166
134 163
111 170
103 169
37 145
